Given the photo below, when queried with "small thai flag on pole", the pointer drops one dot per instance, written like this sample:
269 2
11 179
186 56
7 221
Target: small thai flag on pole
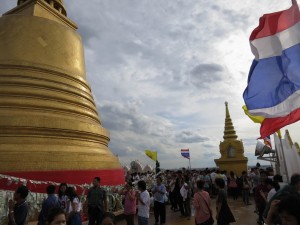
185 153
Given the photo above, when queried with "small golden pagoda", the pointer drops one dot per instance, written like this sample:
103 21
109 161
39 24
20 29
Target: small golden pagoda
231 149
49 125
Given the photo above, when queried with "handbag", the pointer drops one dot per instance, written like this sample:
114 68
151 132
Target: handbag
232 183
245 185
210 221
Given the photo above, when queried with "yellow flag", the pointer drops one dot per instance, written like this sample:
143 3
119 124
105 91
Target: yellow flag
151 154
255 119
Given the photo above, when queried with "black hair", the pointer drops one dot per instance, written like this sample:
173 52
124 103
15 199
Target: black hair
97 178
159 177
50 189
231 173
277 178
274 184
54 212
71 193
200 184
111 216
60 193
186 179
142 185
129 183
263 172
295 179
268 181
220 182
23 191
244 172
290 204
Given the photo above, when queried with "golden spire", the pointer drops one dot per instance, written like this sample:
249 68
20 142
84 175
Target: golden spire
229 132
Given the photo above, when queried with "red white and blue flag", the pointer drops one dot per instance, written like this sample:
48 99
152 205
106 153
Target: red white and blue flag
273 89
185 153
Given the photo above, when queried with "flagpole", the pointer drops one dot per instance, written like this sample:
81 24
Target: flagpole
277 164
283 156
190 160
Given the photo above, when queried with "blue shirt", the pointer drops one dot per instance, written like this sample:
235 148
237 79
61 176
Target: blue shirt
159 196
51 202
20 213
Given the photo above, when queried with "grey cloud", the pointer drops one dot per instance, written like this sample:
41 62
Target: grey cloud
252 160
250 141
7 5
236 18
190 137
204 74
210 155
209 146
86 33
122 118
124 149
126 117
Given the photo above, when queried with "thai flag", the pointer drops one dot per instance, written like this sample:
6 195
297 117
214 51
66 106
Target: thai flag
273 89
185 153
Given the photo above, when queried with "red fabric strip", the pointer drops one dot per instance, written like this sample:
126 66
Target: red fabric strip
271 125
112 177
270 24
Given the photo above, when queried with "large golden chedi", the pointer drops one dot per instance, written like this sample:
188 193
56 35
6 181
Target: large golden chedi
49 126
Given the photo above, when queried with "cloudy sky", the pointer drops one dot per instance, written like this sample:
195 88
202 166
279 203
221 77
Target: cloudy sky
160 72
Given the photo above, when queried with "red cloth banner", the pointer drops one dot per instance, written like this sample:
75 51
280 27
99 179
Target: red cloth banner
111 177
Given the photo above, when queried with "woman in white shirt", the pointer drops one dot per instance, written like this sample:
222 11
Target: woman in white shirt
62 197
274 187
143 198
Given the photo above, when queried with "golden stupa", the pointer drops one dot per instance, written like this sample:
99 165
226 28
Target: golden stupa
48 118
231 149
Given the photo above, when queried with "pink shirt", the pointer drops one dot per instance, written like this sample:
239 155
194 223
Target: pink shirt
202 212
130 204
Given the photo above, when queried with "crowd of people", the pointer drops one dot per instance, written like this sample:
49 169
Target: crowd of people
189 192
65 202
196 189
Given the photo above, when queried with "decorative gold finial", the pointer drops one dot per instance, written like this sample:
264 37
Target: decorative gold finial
229 132
56 4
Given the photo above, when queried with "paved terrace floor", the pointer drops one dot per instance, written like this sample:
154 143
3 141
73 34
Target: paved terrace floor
243 214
